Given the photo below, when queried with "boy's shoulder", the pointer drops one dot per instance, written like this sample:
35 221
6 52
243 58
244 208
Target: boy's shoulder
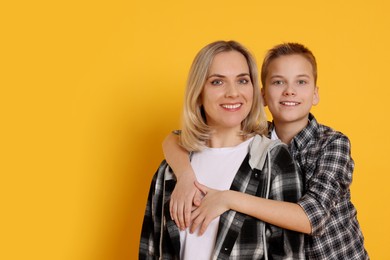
326 134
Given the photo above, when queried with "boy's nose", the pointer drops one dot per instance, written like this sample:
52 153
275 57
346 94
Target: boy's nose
289 91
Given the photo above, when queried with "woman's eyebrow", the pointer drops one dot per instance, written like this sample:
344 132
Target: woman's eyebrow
216 75
223 76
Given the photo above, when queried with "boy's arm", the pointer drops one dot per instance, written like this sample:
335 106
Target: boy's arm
330 182
185 193
285 214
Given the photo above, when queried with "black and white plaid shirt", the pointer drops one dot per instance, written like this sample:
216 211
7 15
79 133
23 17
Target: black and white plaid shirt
323 157
239 236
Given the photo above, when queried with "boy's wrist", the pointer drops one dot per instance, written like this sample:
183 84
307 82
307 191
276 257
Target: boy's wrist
186 175
228 198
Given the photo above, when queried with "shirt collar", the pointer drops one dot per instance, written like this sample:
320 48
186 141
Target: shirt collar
307 133
302 137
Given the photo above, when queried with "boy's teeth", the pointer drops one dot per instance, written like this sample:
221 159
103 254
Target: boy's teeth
290 103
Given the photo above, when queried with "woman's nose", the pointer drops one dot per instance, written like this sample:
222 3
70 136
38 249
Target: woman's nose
231 90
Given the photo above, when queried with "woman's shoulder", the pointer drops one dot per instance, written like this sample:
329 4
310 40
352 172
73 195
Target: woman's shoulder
262 146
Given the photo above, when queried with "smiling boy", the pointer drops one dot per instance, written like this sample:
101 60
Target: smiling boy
289 78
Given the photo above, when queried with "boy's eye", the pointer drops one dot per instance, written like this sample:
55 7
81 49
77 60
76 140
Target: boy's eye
302 82
277 82
216 82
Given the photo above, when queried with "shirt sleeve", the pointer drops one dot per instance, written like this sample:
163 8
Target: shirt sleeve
286 185
150 232
329 183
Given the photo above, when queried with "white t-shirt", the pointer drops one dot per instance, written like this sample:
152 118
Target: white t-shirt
215 168
274 136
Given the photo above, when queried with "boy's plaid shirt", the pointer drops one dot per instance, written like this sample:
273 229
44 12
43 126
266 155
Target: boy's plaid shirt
323 157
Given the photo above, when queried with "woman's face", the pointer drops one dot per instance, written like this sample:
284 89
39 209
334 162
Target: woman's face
227 95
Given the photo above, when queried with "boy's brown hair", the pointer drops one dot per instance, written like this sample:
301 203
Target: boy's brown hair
287 49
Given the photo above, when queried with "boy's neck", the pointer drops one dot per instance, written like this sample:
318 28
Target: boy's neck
287 131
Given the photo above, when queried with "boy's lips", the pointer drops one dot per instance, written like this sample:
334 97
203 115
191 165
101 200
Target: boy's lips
289 103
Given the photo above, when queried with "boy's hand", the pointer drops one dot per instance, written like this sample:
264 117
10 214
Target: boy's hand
214 204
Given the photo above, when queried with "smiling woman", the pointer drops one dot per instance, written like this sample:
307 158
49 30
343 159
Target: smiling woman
223 127
213 65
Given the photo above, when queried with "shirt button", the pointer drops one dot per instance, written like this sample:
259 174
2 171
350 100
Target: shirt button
226 249
256 175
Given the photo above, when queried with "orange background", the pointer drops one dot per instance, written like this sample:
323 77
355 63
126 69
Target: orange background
89 89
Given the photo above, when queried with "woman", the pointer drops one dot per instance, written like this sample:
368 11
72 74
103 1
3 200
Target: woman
223 126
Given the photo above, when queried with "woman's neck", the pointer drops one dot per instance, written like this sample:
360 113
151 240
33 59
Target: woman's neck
228 138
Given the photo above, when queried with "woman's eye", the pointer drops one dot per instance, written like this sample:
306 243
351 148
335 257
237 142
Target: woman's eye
244 81
216 82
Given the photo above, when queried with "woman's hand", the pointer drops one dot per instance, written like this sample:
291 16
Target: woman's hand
184 199
214 204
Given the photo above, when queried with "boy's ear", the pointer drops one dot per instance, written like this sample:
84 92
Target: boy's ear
263 97
316 97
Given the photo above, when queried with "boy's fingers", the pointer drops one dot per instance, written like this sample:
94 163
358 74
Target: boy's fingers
201 187
204 226
197 198
194 226
195 221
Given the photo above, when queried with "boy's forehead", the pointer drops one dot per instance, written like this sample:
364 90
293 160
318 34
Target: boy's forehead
294 63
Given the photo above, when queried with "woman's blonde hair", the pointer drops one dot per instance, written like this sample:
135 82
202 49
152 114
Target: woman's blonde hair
195 131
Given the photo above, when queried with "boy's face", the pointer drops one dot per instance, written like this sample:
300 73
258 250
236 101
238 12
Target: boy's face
290 90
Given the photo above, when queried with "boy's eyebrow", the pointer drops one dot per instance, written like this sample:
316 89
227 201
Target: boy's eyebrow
303 75
300 75
223 76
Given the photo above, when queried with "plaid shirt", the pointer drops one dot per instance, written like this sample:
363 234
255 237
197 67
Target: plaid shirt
324 159
239 236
